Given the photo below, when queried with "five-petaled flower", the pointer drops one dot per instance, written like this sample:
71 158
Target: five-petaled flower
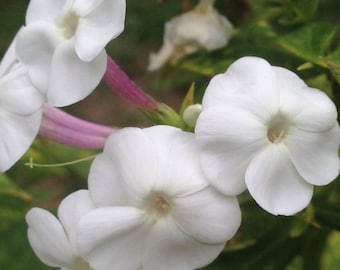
154 208
262 128
63 45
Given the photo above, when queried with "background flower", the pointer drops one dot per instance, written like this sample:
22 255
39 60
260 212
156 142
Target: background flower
264 129
154 206
201 28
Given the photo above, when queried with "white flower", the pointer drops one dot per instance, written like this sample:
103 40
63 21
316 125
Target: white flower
155 209
264 129
54 241
201 28
63 45
20 110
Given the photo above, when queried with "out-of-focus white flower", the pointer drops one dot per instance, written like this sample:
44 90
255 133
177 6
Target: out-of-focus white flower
20 110
63 44
155 209
201 28
54 241
264 129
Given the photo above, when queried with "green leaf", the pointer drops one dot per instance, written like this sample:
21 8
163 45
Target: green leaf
11 196
311 43
328 214
188 99
332 61
263 254
331 258
299 11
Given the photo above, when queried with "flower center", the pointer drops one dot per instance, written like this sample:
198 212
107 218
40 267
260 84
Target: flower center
80 264
68 24
158 206
277 129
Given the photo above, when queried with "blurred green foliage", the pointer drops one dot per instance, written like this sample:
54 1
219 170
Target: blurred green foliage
297 34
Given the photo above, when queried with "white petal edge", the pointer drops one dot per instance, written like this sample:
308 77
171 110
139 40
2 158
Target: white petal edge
97 28
43 10
124 174
179 166
17 94
274 183
8 59
112 238
35 45
168 248
315 154
71 79
70 211
207 216
248 82
229 138
308 108
18 133
47 238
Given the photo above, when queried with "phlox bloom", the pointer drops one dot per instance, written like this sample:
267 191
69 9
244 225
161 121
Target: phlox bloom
263 129
20 110
54 240
202 28
63 45
154 208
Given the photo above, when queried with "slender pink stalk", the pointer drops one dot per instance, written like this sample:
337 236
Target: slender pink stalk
126 88
66 129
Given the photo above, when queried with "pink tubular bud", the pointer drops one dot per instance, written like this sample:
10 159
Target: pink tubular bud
66 129
120 83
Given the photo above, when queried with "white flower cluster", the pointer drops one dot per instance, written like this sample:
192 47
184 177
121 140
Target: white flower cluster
162 198
159 197
148 206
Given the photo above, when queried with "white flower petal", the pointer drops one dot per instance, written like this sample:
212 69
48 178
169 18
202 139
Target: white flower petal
315 154
316 113
70 210
250 83
9 59
229 138
168 248
112 238
207 216
275 184
99 27
35 45
48 239
157 60
71 79
202 27
43 10
125 172
84 7
18 94
17 134
178 162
